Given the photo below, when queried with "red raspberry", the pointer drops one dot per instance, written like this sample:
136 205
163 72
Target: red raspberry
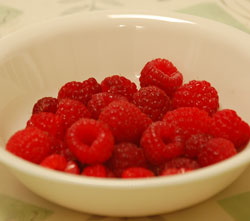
188 121
227 124
137 172
216 150
48 122
126 155
152 101
119 85
174 171
160 143
101 100
163 74
197 94
90 141
71 110
31 144
72 90
182 162
97 170
80 91
55 162
45 104
195 144
126 121
72 167
91 87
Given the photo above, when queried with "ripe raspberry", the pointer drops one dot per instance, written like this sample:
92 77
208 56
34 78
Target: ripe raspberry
163 74
97 170
195 144
55 162
182 162
101 100
80 91
227 124
125 120
197 94
126 155
119 85
174 171
91 87
90 141
72 167
31 144
71 110
188 121
160 143
216 150
48 122
152 101
137 172
45 104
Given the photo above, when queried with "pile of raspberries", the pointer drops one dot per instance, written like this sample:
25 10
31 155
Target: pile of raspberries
113 129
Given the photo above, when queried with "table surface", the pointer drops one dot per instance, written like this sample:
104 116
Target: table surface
18 203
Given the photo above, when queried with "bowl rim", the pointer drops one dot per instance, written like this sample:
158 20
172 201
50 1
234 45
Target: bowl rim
9 43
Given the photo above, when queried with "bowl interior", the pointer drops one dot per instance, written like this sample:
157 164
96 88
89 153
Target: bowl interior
36 62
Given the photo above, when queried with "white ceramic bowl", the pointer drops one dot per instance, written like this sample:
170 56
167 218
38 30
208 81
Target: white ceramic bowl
36 61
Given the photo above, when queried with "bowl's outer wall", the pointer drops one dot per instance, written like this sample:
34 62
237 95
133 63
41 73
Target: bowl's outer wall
132 201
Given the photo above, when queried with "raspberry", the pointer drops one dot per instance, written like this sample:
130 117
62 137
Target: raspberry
31 144
137 172
119 85
174 171
90 141
182 162
71 110
227 124
126 155
72 167
72 90
97 170
160 143
80 91
125 120
55 162
188 121
152 101
101 100
91 87
216 150
163 74
195 144
197 94
45 104
48 122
